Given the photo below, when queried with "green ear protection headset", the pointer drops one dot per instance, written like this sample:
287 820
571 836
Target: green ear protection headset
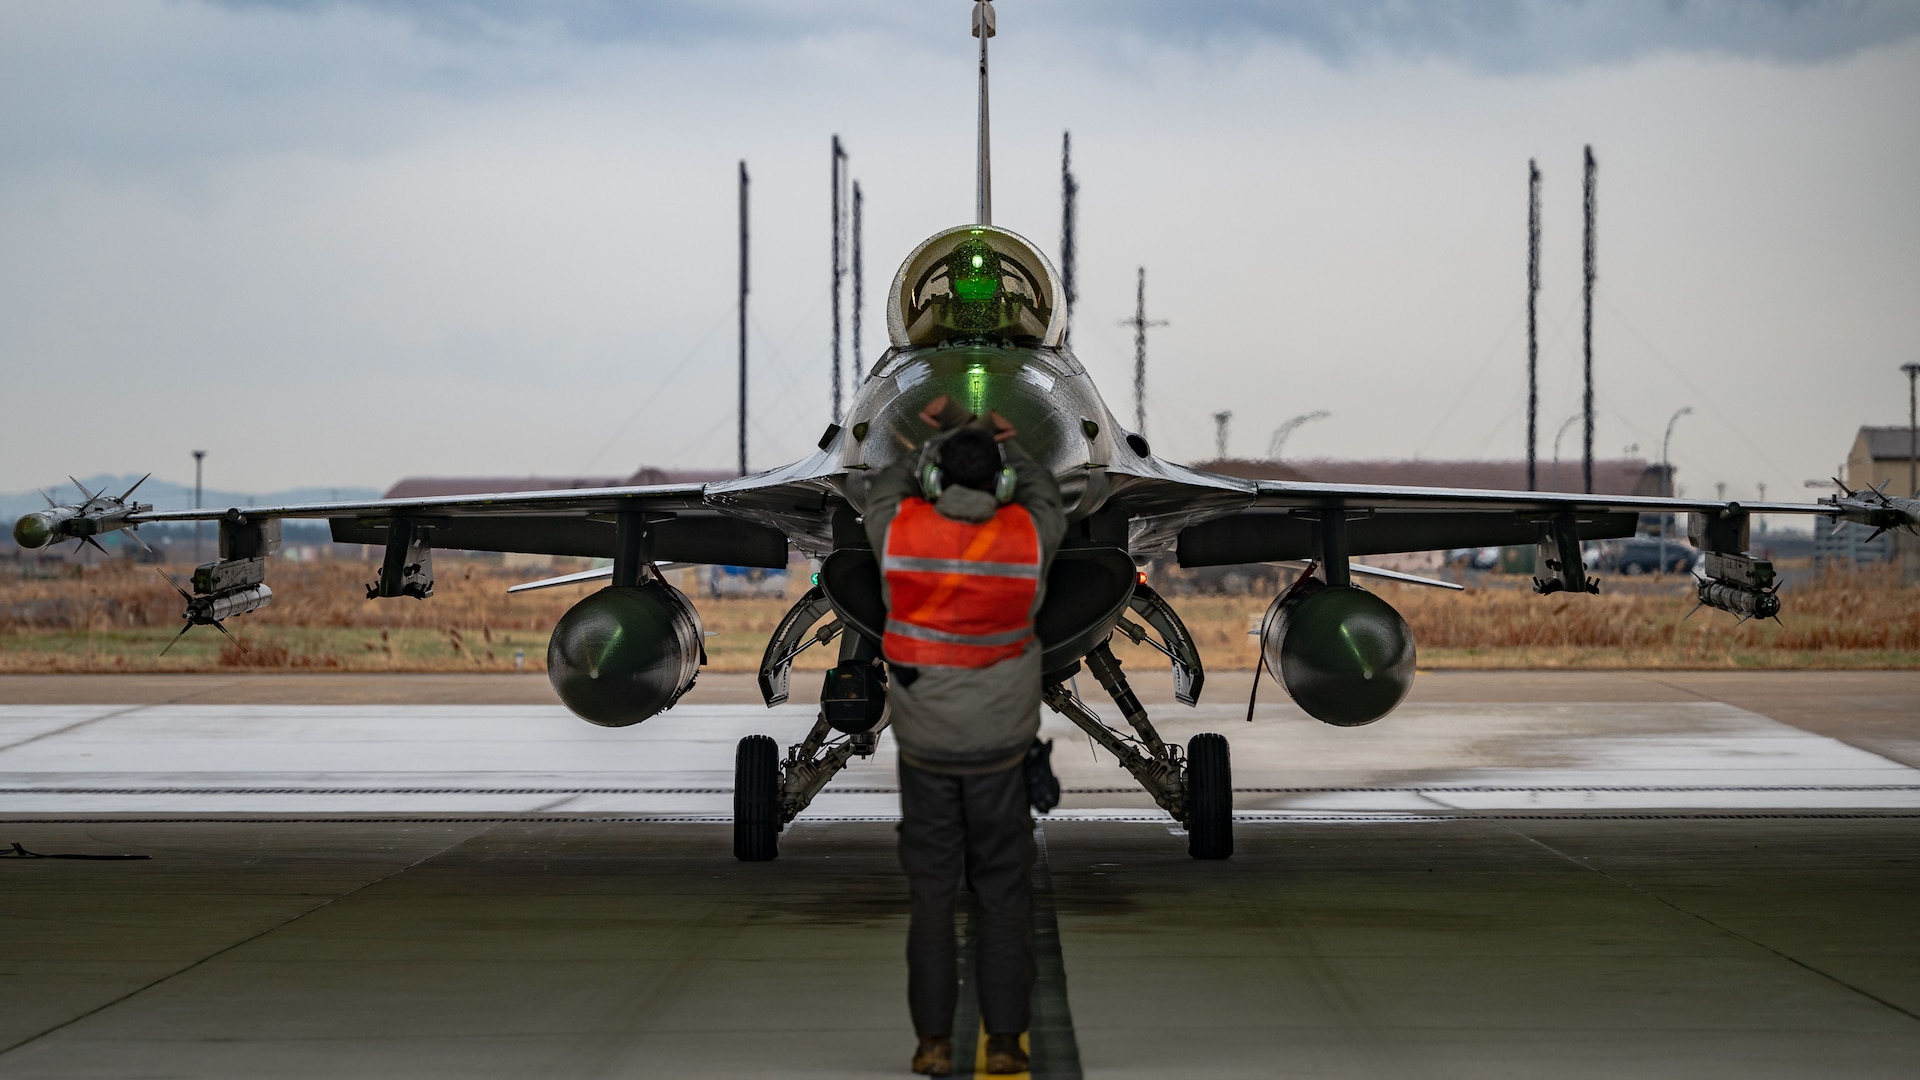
933 481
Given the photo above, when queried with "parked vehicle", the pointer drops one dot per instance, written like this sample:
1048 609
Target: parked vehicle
745 581
1641 555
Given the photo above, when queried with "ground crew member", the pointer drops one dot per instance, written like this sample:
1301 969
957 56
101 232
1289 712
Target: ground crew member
965 533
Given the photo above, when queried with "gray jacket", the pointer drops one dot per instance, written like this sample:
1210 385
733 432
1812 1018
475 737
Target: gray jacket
969 720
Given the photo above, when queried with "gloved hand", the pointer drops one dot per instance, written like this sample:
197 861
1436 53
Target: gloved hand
944 414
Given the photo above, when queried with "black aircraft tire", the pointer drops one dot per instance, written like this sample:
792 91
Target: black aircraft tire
756 799
1209 797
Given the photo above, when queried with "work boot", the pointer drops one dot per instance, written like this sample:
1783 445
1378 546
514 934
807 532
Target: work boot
935 1056
1004 1056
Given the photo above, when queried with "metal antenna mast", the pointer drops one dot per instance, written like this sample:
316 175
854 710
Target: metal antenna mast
743 318
1140 322
859 360
983 21
839 248
1533 332
1069 191
1587 324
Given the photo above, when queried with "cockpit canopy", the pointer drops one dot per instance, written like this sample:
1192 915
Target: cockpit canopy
975 280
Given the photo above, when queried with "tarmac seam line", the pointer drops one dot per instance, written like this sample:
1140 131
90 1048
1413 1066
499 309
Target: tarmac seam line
75 726
249 939
1734 934
175 700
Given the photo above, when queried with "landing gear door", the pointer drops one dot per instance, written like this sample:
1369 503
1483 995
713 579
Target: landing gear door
1188 675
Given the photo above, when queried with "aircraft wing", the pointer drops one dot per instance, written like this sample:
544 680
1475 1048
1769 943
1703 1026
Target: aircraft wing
744 522
1212 520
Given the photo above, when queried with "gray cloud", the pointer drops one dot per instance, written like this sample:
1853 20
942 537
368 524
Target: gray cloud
1525 35
276 218
1485 35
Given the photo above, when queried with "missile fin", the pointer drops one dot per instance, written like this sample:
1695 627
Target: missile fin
176 638
217 625
184 595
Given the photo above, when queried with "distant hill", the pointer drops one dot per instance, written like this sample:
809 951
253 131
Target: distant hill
166 495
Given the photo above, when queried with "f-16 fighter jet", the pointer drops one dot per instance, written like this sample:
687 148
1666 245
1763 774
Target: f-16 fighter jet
976 314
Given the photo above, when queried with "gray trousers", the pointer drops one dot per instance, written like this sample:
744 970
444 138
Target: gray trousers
979 826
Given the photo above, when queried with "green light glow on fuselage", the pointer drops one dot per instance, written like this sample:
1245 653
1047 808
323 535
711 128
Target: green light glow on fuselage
977 388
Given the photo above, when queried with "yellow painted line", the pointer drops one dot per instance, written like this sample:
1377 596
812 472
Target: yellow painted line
980 1055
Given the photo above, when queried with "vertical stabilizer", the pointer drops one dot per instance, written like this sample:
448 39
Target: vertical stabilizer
983 29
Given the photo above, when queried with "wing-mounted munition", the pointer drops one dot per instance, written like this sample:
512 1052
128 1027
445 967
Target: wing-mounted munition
1732 581
82 521
236 583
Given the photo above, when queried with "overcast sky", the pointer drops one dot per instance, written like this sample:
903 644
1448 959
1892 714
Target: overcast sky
335 243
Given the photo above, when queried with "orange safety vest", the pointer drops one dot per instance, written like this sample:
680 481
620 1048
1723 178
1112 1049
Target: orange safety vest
961 595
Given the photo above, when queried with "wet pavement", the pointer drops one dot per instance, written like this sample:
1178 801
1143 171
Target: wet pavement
1512 875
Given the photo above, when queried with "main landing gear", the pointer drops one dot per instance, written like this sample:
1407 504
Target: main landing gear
1195 787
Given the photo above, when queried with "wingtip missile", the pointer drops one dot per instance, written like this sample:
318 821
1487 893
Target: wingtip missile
98 513
1874 508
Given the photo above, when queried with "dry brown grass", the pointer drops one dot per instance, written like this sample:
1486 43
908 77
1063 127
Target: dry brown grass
118 618
1861 620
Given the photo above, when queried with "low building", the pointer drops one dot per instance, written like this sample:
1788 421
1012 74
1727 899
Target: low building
1883 455
442 487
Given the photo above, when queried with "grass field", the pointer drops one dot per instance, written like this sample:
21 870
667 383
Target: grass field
119 618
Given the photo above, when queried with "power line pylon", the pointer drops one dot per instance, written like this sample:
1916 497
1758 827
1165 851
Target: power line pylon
743 318
858 372
839 263
1587 324
1533 326
1140 323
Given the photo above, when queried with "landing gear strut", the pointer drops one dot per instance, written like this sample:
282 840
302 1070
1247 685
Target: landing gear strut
1195 787
769 792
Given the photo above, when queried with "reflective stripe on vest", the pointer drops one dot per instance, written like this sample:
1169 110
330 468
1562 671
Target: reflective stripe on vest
961 594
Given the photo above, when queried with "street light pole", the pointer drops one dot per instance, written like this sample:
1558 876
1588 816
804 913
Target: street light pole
1556 448
198 457
1666 480
1913 430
